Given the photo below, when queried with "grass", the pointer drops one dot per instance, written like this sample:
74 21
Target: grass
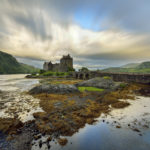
128 70
123 85
64 81
90 89
107 77
50 73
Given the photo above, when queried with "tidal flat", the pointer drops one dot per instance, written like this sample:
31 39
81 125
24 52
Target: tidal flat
72 120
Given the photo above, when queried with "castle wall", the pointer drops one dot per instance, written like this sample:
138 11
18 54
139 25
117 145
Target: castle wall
66 62
45 66
56 67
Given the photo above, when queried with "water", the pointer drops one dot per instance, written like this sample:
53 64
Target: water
16 82
13 102
103 135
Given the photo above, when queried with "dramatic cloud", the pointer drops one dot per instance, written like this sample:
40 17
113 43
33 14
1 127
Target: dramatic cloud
95 32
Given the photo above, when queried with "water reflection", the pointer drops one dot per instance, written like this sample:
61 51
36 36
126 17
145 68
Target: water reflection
105 137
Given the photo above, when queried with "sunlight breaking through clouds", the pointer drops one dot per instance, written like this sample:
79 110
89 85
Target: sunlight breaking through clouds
48 29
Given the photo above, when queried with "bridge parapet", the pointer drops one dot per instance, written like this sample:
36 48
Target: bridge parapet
122 77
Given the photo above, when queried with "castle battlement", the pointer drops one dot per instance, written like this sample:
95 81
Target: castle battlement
66 63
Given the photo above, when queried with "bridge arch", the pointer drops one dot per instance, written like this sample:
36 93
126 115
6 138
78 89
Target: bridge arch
81 76
76 76
87 76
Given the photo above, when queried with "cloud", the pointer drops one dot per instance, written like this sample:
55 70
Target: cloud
88 30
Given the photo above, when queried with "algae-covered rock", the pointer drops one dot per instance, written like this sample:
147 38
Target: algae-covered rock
50 88
9 125
99 82
62 141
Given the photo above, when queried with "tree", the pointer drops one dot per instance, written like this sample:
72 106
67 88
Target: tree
71 69
84 69
41 71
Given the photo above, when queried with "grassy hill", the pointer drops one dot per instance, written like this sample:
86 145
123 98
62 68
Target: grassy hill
144 65
131 65
9 65
136 68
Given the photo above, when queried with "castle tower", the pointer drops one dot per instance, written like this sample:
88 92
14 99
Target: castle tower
66 63
48 66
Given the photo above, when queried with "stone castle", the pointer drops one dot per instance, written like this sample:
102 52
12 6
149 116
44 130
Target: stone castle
66 64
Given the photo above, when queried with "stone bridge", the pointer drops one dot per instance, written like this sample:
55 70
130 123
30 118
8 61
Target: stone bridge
126 77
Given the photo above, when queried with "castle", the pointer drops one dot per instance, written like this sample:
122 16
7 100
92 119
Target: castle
66 64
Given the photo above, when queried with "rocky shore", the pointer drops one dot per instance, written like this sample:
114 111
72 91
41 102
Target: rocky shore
66 110
54 88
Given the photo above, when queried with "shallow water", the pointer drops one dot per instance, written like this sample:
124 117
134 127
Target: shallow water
16 82
104 135
13 102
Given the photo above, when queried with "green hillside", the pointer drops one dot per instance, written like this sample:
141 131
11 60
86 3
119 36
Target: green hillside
144 65
131 65
140 68
9 65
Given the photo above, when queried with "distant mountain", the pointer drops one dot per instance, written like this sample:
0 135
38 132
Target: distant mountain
143 67
131 65
9 65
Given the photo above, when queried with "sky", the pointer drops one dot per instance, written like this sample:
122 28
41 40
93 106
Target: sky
97 33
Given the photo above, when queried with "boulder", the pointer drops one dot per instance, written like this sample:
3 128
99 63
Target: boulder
99 82
31 76
51 88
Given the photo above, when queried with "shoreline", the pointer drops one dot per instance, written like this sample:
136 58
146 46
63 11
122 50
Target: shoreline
66 106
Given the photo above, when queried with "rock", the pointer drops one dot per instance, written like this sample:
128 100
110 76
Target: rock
19 131
137 130
31 76
49 139
17 124
40 115
50 88
99 82
58 104
40 143
48 145
12 132
36 137
9 138
145 91
145 126
118 126
62 141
